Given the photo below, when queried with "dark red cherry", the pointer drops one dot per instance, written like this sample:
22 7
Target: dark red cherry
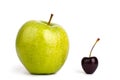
90 64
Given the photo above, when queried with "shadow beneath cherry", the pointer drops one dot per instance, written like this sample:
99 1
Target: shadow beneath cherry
79 71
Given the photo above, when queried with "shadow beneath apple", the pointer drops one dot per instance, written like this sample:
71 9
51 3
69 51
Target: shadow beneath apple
22 71
43 74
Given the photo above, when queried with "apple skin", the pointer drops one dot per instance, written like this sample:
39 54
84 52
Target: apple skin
42 48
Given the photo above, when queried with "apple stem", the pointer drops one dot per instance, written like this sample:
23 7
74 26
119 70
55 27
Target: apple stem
93 46
50 19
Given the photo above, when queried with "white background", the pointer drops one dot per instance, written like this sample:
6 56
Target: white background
83 20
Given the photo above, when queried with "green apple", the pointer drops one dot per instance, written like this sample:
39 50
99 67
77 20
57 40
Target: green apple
42 47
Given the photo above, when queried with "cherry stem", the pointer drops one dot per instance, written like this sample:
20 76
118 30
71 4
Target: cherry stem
50 19
93 46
